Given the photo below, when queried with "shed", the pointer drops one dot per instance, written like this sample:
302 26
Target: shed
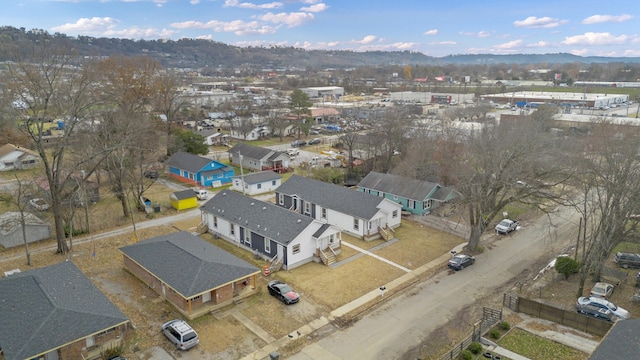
184 199
11 229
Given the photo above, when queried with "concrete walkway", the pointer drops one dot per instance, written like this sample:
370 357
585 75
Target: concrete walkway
367 252
319 352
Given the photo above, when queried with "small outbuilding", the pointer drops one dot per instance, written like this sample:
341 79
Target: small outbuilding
184 199
257 183
11 229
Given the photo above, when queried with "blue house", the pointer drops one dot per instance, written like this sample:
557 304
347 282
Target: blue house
416 196
199 171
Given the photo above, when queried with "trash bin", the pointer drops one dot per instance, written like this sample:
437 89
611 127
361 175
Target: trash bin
274 356
256 254
156 208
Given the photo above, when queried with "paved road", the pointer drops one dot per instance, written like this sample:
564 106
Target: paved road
403 323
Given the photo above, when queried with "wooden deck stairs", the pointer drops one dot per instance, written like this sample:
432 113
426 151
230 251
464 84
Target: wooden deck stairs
328 257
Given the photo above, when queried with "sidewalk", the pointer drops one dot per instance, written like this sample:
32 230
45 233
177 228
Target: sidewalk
349 307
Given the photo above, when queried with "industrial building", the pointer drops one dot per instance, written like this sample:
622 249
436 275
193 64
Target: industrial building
536 98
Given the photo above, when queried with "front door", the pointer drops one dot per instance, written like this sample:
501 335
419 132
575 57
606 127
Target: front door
206 297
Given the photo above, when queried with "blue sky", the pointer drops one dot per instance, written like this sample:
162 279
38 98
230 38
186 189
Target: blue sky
435 28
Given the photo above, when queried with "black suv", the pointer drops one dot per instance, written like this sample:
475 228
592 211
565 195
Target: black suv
627 260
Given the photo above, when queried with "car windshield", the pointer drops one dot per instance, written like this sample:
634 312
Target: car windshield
599 289
285 288
189 336
505 223
457 259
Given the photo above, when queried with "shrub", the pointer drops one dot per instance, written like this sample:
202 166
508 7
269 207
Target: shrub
466 355
495 334
505 326
567 266
475 347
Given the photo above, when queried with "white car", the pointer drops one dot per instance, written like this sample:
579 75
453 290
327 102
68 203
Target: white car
39 204
604 304
506 226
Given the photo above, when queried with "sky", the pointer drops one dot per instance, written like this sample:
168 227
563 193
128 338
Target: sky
434 28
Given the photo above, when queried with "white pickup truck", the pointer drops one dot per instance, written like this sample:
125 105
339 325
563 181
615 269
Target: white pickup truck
506 226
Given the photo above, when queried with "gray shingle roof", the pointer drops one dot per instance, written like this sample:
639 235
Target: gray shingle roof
346 201
262 176
184 194
10 221
263 218
189 162
44 309
253 152
407 188
188 264
621 343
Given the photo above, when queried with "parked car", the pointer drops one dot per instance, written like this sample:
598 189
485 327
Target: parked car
627 260
506 226
181 334
151 174
619 312
283 292
602 290
292 152
460 261
596 312
39 204
298 143
314 141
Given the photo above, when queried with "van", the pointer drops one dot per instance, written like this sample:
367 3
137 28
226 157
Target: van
201 194
180 334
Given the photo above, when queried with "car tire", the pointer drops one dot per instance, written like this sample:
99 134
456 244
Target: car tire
461 267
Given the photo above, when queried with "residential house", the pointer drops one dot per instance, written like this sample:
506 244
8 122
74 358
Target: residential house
183 199
198 170
416 196
56 312
257 132
199 277
325 115
286 238
11 229
354 212
16 157
257 158
214 138
257 183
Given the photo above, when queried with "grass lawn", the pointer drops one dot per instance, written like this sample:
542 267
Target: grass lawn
537 348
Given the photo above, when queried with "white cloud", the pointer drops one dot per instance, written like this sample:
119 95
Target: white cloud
592 38
237 27
508 45
539 44
579 52
479 34
316 8
631 52
290 19
366 40
94 24
446 42
194 2
595 19
536 22
248 5
138 33
431 32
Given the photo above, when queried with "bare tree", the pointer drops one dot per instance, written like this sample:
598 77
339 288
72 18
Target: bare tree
51 86
168 101
19 200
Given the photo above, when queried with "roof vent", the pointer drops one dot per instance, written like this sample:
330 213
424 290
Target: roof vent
264 208
299 221
252 204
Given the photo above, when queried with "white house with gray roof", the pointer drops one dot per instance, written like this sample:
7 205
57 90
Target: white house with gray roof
257 183
257 158
194 275
354 212
275 233
11 229
56 312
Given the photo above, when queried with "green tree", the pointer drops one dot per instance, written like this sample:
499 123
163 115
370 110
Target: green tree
567 266
185 140
299 106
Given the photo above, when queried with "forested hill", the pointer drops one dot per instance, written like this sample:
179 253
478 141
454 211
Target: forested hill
196 53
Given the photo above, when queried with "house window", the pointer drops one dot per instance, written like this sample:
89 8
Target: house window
324 213
273 183
232 230
281 199
215 222
356 224
307 208
381 194
394 214
247 237
267 245
259 186
427 204
412 204
296 248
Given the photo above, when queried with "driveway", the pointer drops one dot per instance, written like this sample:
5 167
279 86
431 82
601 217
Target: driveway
404 322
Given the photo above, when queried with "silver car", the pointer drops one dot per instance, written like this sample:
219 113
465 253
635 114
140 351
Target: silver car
181 334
